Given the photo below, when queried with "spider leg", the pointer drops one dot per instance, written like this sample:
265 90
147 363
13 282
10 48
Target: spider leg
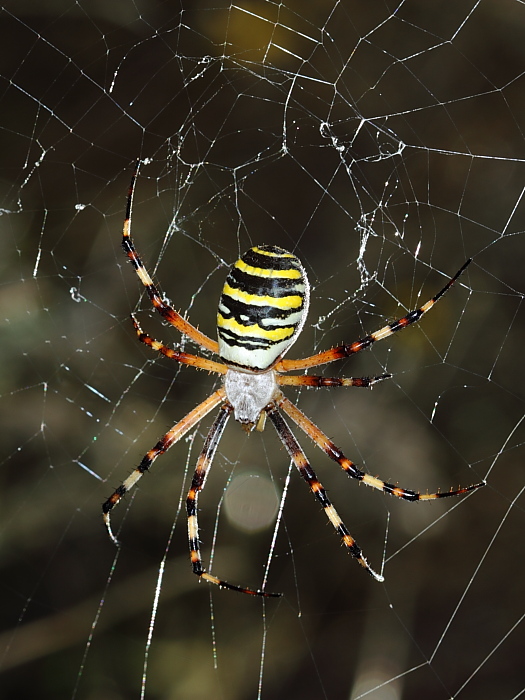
182 357
197 484
164 309
169 439
325 444
299 459
351 348
311 380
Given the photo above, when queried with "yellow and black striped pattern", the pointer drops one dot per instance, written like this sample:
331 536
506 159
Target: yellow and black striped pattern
262 308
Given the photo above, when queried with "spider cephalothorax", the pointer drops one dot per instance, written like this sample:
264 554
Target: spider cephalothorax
262 310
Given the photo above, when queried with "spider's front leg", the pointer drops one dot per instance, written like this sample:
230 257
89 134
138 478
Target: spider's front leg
336 454
299 459
170 438
197 484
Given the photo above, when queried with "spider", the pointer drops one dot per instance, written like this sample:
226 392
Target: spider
262 310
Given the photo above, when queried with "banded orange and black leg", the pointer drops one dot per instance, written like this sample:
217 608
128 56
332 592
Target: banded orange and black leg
299 459
346 350
182 357
325 444
165 310
170 438
197 484
316 381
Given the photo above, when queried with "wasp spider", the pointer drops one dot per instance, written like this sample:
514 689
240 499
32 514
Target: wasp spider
262 309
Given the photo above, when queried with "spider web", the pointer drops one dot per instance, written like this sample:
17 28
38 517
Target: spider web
383 143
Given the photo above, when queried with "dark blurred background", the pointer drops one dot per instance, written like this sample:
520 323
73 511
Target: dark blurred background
384 144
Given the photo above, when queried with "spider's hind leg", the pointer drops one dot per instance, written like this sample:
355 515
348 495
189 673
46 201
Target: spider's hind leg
348 349
164 309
